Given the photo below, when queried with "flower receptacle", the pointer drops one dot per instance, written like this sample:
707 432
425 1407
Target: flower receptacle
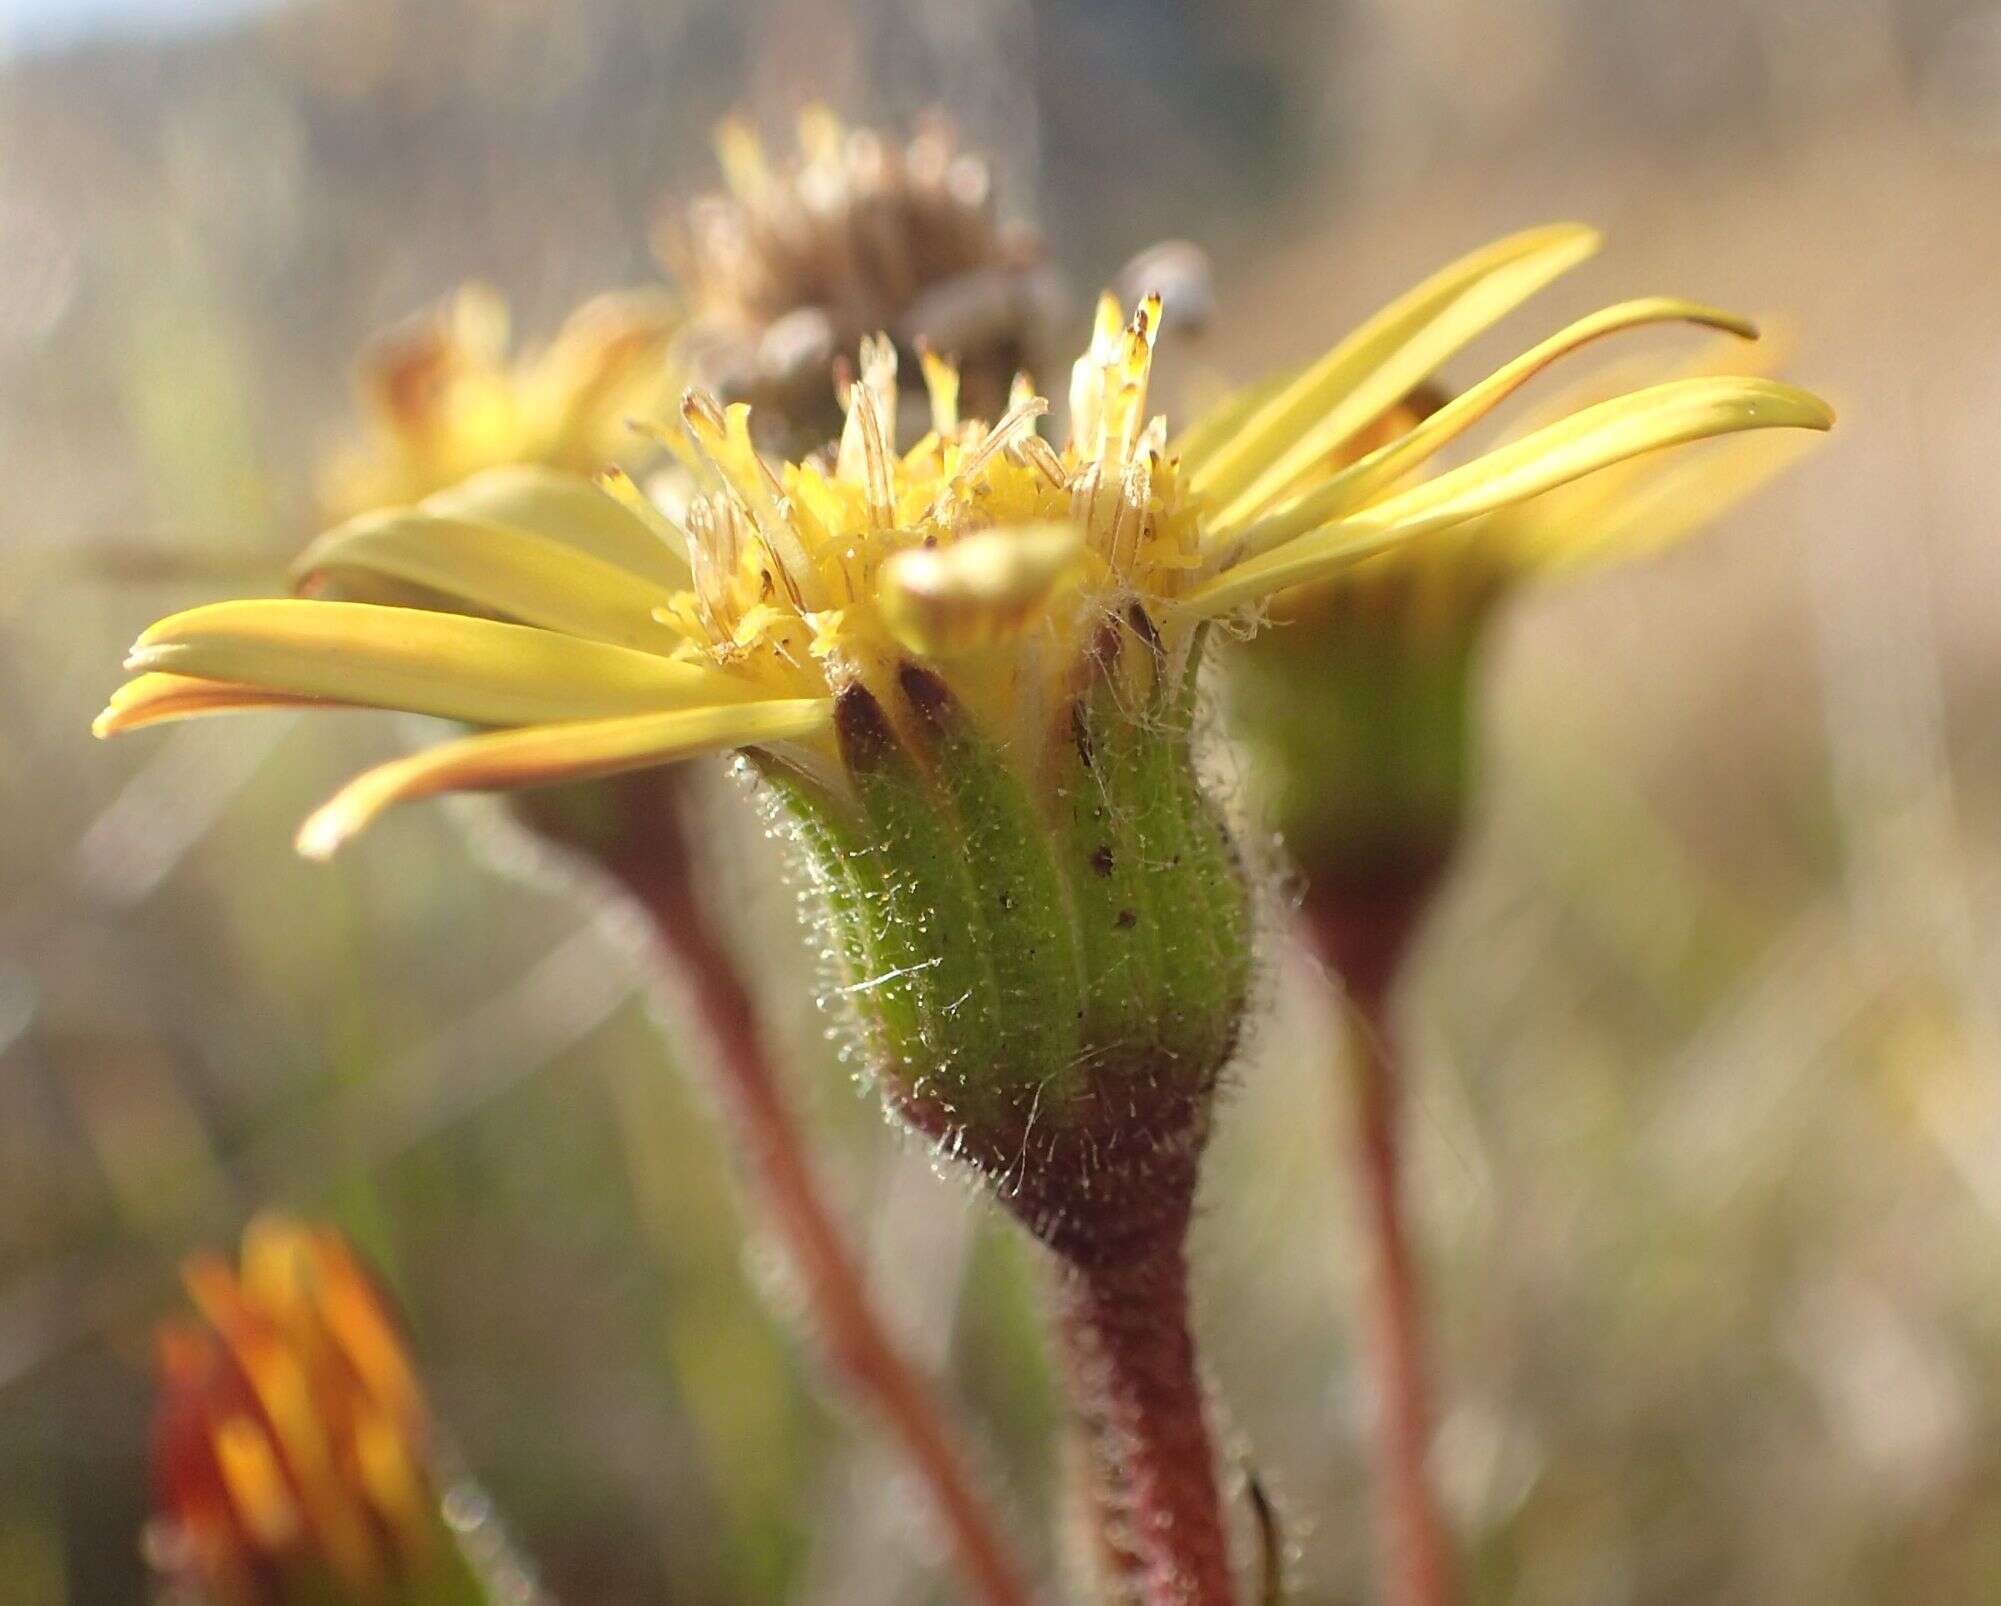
1360 715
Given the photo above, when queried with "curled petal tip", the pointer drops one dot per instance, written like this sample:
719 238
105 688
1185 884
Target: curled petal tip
1801 409
106 724
322 836
1731 323
1584 239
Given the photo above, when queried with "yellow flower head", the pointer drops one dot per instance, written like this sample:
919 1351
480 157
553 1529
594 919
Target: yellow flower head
1358 707
609 637
443 398
805 252
290 1444
965 670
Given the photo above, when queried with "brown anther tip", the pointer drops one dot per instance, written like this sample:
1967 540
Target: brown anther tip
1080 735
1107 644
929 697
1143 626
698 404
862 728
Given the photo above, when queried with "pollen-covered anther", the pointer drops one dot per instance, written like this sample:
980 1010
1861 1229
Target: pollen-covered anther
864 457
702 413
1039 455
977 592
1017 425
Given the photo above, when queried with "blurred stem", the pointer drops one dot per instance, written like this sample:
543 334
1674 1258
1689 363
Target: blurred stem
1362 934
1130 1355
1106 1565
657 868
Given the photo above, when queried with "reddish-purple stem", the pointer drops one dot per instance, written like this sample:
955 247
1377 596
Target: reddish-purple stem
1362 935
657 870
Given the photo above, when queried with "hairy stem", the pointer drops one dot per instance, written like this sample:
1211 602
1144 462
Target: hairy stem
657 870
1124 1332
1104 1564
1362 936
1413 1540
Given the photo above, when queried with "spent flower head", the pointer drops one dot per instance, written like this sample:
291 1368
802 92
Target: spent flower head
966 668
805 252
291 1442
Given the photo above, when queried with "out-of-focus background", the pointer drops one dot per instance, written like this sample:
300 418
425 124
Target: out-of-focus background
1708 1128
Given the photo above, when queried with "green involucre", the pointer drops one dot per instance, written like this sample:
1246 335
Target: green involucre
1361 725
1012 931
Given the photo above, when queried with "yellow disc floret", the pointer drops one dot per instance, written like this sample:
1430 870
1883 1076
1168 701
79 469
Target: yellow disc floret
980 540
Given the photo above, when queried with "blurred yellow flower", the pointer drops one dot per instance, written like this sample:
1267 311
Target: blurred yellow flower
291 1441
1358 705
443 398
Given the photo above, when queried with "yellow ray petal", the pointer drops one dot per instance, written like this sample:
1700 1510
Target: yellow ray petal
1666 415
542 754
567 508
1195 444
498 569
283 1389
477 670
1630 371
615 483
1640 507
352 1312
259 1494
156 699
1353 486
1381 361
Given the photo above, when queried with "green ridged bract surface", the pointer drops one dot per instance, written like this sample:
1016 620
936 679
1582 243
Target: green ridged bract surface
1017 932
1361 726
